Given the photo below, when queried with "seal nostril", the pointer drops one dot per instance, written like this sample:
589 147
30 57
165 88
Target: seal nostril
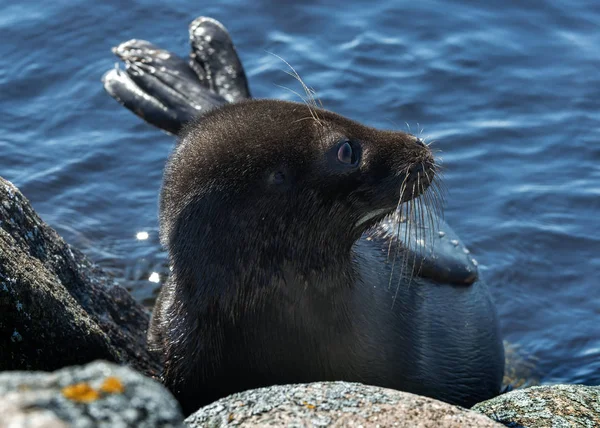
420 142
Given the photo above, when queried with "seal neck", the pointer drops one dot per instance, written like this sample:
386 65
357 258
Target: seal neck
228 265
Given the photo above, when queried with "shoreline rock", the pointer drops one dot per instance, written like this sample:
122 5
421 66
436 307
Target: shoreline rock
100 394
557 406
334 404
56 308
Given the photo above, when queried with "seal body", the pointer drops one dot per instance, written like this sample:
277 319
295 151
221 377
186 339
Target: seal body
297 249
281 221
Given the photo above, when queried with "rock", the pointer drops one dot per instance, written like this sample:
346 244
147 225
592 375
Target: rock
334 404
57 308
557 406
99 394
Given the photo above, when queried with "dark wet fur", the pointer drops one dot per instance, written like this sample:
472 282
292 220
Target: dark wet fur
273 283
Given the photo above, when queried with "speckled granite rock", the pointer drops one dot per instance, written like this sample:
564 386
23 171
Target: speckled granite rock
556 406
334 404
99 394
56 308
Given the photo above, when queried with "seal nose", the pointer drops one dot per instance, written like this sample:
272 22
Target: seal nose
420 142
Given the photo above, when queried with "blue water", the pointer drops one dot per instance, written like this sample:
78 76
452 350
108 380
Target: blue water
510 94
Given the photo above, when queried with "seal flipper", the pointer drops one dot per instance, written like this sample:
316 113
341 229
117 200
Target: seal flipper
166 75
438 254
165 90
158 86
215 60
120 86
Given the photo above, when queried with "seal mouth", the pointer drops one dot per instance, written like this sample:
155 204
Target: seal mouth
373 214
418 177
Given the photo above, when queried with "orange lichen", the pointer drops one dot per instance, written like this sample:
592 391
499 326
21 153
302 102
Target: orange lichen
81 392
112 385
309 406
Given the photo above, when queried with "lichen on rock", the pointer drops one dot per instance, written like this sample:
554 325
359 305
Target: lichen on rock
78 396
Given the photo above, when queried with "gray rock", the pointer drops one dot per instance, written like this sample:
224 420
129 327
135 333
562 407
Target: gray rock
99 394
334 404
557 406
57 308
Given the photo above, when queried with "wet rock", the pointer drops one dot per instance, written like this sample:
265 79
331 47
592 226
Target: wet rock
557 406
334 404
99 394
57 308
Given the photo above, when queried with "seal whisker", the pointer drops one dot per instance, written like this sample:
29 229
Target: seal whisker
436 202
423 211
408 236
394 125
435 213
303 119
433 204
397 234
413 224
399 242
309 91
311 103
402 190
442 190
312 113
420 220
426 218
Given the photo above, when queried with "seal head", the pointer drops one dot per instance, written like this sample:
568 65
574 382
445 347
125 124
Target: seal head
320 167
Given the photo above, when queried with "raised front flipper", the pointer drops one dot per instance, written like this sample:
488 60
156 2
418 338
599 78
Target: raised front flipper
120 86
434 253
215 60
158 86
168 91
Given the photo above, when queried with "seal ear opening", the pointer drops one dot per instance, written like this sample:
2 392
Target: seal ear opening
280 178
277 177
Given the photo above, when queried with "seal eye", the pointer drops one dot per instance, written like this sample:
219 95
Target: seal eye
347 155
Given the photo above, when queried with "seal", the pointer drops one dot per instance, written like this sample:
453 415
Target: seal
305 246
280 270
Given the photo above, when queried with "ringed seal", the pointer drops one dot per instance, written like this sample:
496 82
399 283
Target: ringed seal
283 223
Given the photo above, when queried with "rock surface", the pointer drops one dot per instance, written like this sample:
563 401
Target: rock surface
556 406
334 404
99 394
56 308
